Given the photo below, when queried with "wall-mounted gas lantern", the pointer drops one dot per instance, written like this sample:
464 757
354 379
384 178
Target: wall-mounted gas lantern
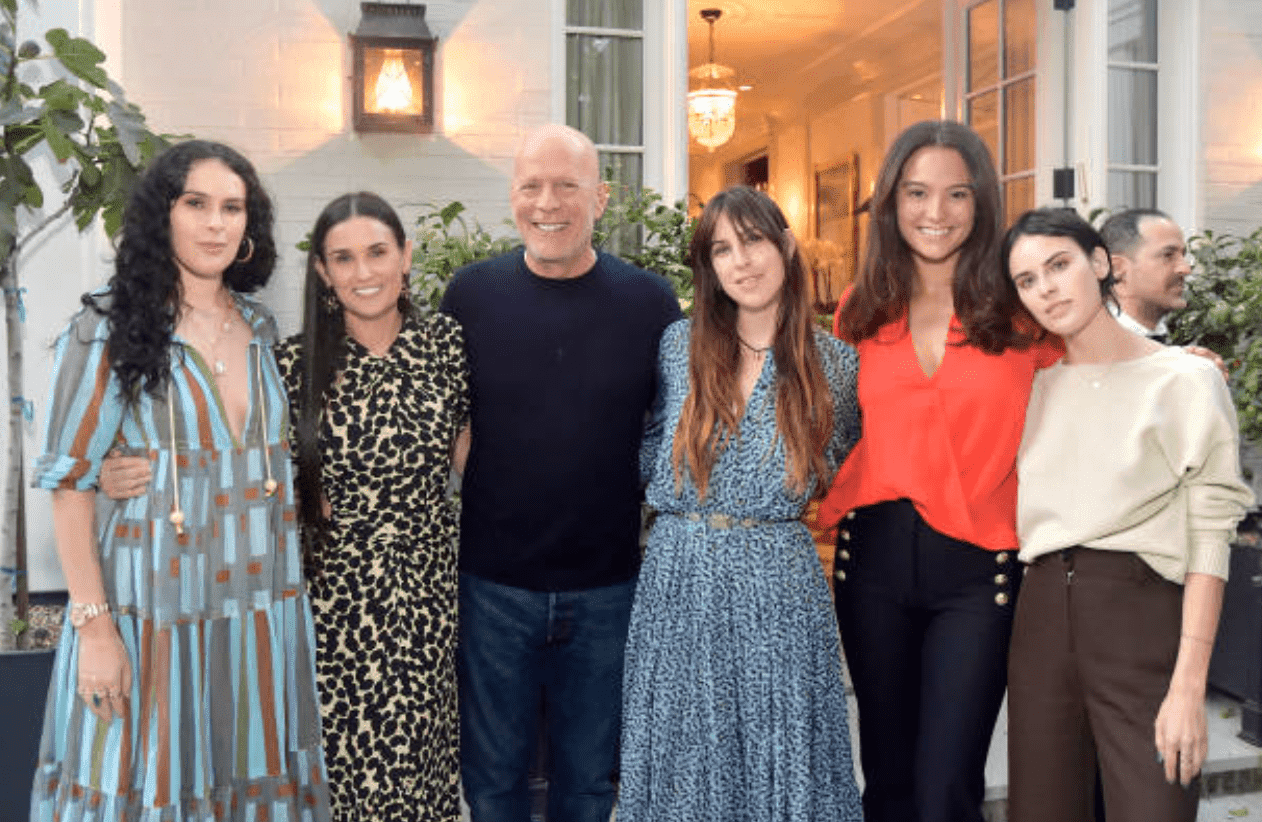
393 60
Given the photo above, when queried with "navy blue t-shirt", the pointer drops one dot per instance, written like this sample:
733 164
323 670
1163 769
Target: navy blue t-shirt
563 374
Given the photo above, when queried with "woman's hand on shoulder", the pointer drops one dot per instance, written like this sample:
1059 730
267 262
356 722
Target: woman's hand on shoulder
124 477
1211 356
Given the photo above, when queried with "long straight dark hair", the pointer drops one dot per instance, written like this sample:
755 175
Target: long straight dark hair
324 351
711 411
992 321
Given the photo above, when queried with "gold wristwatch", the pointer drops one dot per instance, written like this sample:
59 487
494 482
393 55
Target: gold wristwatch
81 612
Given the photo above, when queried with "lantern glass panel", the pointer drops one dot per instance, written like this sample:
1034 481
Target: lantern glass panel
394 81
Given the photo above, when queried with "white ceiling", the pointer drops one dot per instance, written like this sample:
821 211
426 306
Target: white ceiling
804 56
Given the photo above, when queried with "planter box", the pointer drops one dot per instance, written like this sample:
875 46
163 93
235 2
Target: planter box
1236 666
24 677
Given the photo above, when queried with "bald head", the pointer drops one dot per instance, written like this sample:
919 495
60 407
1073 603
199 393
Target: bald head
557 197
557 137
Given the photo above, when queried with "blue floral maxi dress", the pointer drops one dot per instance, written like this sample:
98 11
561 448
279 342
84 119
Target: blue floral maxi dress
733 704
223 718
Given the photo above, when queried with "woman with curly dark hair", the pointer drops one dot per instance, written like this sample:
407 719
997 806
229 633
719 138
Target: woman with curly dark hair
733 704
926 569
378 395
184 683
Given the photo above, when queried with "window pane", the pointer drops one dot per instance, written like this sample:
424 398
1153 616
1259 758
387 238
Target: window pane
608 14
1132 189
1018 198
1019 32
625 173
1018 127
1133 116
983 45
983 116
1133 31
604 88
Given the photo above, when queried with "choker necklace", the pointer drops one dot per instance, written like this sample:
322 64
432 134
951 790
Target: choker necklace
753 348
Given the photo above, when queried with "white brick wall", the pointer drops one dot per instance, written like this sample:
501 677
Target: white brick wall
271 77
1231 112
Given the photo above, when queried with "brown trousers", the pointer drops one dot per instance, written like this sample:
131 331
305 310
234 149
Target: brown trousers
1093 648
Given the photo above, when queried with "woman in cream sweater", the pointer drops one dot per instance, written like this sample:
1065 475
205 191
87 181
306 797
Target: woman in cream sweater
1130 492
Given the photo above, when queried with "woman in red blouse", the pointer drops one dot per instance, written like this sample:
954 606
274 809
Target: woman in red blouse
926 553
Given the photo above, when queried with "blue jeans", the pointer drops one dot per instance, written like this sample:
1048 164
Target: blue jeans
519 647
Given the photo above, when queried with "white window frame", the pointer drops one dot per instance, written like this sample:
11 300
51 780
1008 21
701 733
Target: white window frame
1048 87
1179 164
665 83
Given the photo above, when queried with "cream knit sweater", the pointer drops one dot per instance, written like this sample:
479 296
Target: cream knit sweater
1139 456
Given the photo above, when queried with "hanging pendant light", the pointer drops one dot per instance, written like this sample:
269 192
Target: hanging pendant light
712 106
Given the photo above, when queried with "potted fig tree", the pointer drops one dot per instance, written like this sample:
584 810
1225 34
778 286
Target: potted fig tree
56 105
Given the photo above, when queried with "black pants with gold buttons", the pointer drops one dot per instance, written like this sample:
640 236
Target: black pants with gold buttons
925 621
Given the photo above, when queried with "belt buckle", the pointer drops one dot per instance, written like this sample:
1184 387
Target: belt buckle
721 521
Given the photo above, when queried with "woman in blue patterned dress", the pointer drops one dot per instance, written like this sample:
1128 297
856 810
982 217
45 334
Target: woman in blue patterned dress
734 706
184 685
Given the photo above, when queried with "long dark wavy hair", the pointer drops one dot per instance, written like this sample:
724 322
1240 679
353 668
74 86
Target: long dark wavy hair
145 291
324 349
992 320
711 411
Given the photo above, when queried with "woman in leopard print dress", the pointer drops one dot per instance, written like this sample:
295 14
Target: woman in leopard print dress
373 467
379 538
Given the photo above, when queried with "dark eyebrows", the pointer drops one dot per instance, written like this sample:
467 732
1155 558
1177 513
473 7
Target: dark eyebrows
192 192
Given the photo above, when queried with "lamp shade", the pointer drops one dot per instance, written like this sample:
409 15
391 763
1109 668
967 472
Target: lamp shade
712 106
712 116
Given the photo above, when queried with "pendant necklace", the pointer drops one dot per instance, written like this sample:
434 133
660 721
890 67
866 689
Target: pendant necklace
753 348
217 365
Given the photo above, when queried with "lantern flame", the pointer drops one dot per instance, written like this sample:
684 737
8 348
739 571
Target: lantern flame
393 89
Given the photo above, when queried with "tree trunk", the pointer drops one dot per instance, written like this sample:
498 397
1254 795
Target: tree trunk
13 541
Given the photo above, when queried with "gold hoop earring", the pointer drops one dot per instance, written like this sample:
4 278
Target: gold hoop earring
249 255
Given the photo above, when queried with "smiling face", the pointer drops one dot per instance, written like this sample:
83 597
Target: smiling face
934 199
208 220
749 267
1150 279
1058 282
365 266
557 197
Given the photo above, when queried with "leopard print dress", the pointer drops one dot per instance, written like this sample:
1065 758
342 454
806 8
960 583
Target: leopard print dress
383 585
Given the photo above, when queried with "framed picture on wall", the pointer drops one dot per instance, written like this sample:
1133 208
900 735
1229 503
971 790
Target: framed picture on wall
836 250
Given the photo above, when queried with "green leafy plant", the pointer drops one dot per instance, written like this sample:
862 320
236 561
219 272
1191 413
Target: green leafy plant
444 242
636 225
99 141
646 232
1224 314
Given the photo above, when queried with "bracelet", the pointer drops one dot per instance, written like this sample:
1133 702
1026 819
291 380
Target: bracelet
1197 639
81 612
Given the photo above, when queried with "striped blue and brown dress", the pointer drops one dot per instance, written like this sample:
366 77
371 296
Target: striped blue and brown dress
223 717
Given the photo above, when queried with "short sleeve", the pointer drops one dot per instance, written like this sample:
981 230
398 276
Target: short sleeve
85 407
452 334
841 370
